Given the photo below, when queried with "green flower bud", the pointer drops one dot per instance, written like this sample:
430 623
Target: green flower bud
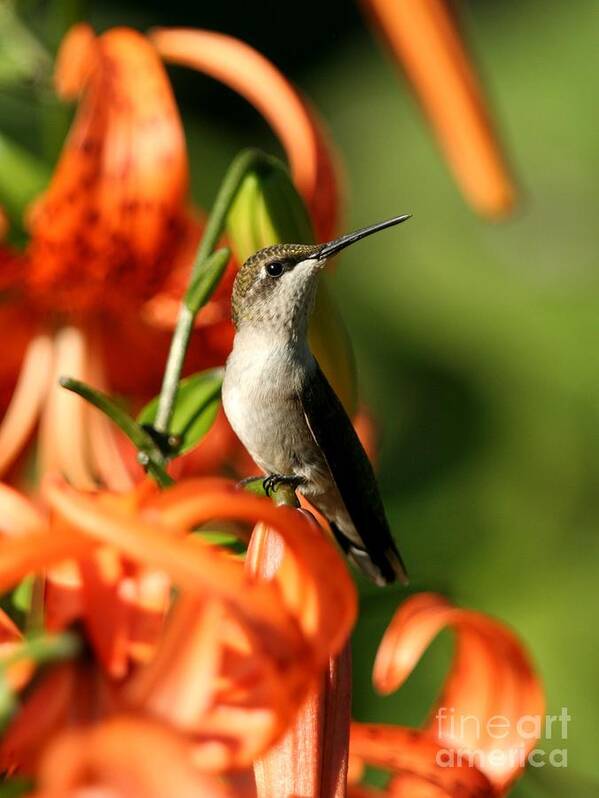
268 210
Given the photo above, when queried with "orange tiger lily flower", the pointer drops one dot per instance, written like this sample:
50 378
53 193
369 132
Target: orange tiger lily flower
456 753
236 655
113 239
423 36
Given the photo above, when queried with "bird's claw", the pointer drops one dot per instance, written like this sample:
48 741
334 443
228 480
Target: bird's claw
272 482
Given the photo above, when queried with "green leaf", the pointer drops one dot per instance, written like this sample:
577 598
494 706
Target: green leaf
559 780
227 540
15 787
196 406
43 648
22 178
22 594
204 285
8 701
23 59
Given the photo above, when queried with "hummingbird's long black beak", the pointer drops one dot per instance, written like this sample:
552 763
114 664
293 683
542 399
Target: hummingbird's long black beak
333 247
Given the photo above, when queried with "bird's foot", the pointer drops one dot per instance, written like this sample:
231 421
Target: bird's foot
273 481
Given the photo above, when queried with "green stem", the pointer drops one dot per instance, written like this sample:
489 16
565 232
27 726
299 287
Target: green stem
282 494
243 163
285 495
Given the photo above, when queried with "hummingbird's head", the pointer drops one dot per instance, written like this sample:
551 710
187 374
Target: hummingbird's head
276 286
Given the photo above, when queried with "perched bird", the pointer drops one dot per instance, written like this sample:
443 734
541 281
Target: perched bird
286 414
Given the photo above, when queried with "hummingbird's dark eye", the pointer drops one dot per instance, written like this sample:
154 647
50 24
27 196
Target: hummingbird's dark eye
275 269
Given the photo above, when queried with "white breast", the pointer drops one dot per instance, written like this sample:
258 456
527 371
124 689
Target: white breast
262 380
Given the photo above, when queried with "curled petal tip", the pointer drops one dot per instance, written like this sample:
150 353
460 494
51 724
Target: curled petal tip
74 61
491 676
254 77
423 36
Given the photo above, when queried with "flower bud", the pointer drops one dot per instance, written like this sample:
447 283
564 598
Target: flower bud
268 210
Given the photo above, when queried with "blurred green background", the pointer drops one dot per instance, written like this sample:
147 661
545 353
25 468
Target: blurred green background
476 342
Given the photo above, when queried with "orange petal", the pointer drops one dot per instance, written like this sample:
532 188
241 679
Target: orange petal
105 614
180 682
146 595
114 217
75 62
124 757
415 752
35 551
105 452
267 640
64 445
358 791
4 227
491 677
63 596
191 503
423 36
249 73
27 400
9 632
17 514
410 786
12 262
41 715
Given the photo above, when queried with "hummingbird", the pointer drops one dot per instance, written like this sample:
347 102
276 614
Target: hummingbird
284 410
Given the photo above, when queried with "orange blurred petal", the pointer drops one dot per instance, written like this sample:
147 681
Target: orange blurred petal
124 757
17 514
114 217
42 714
491 676
409 786
326 598
105 614
27 400
358 791
108 462
63 596
240 652
146 596
64 444
31 552
75 61
423 36
4 228
254 77
12 262
414 752
259 643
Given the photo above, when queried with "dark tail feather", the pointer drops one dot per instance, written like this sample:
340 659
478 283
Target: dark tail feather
387 568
